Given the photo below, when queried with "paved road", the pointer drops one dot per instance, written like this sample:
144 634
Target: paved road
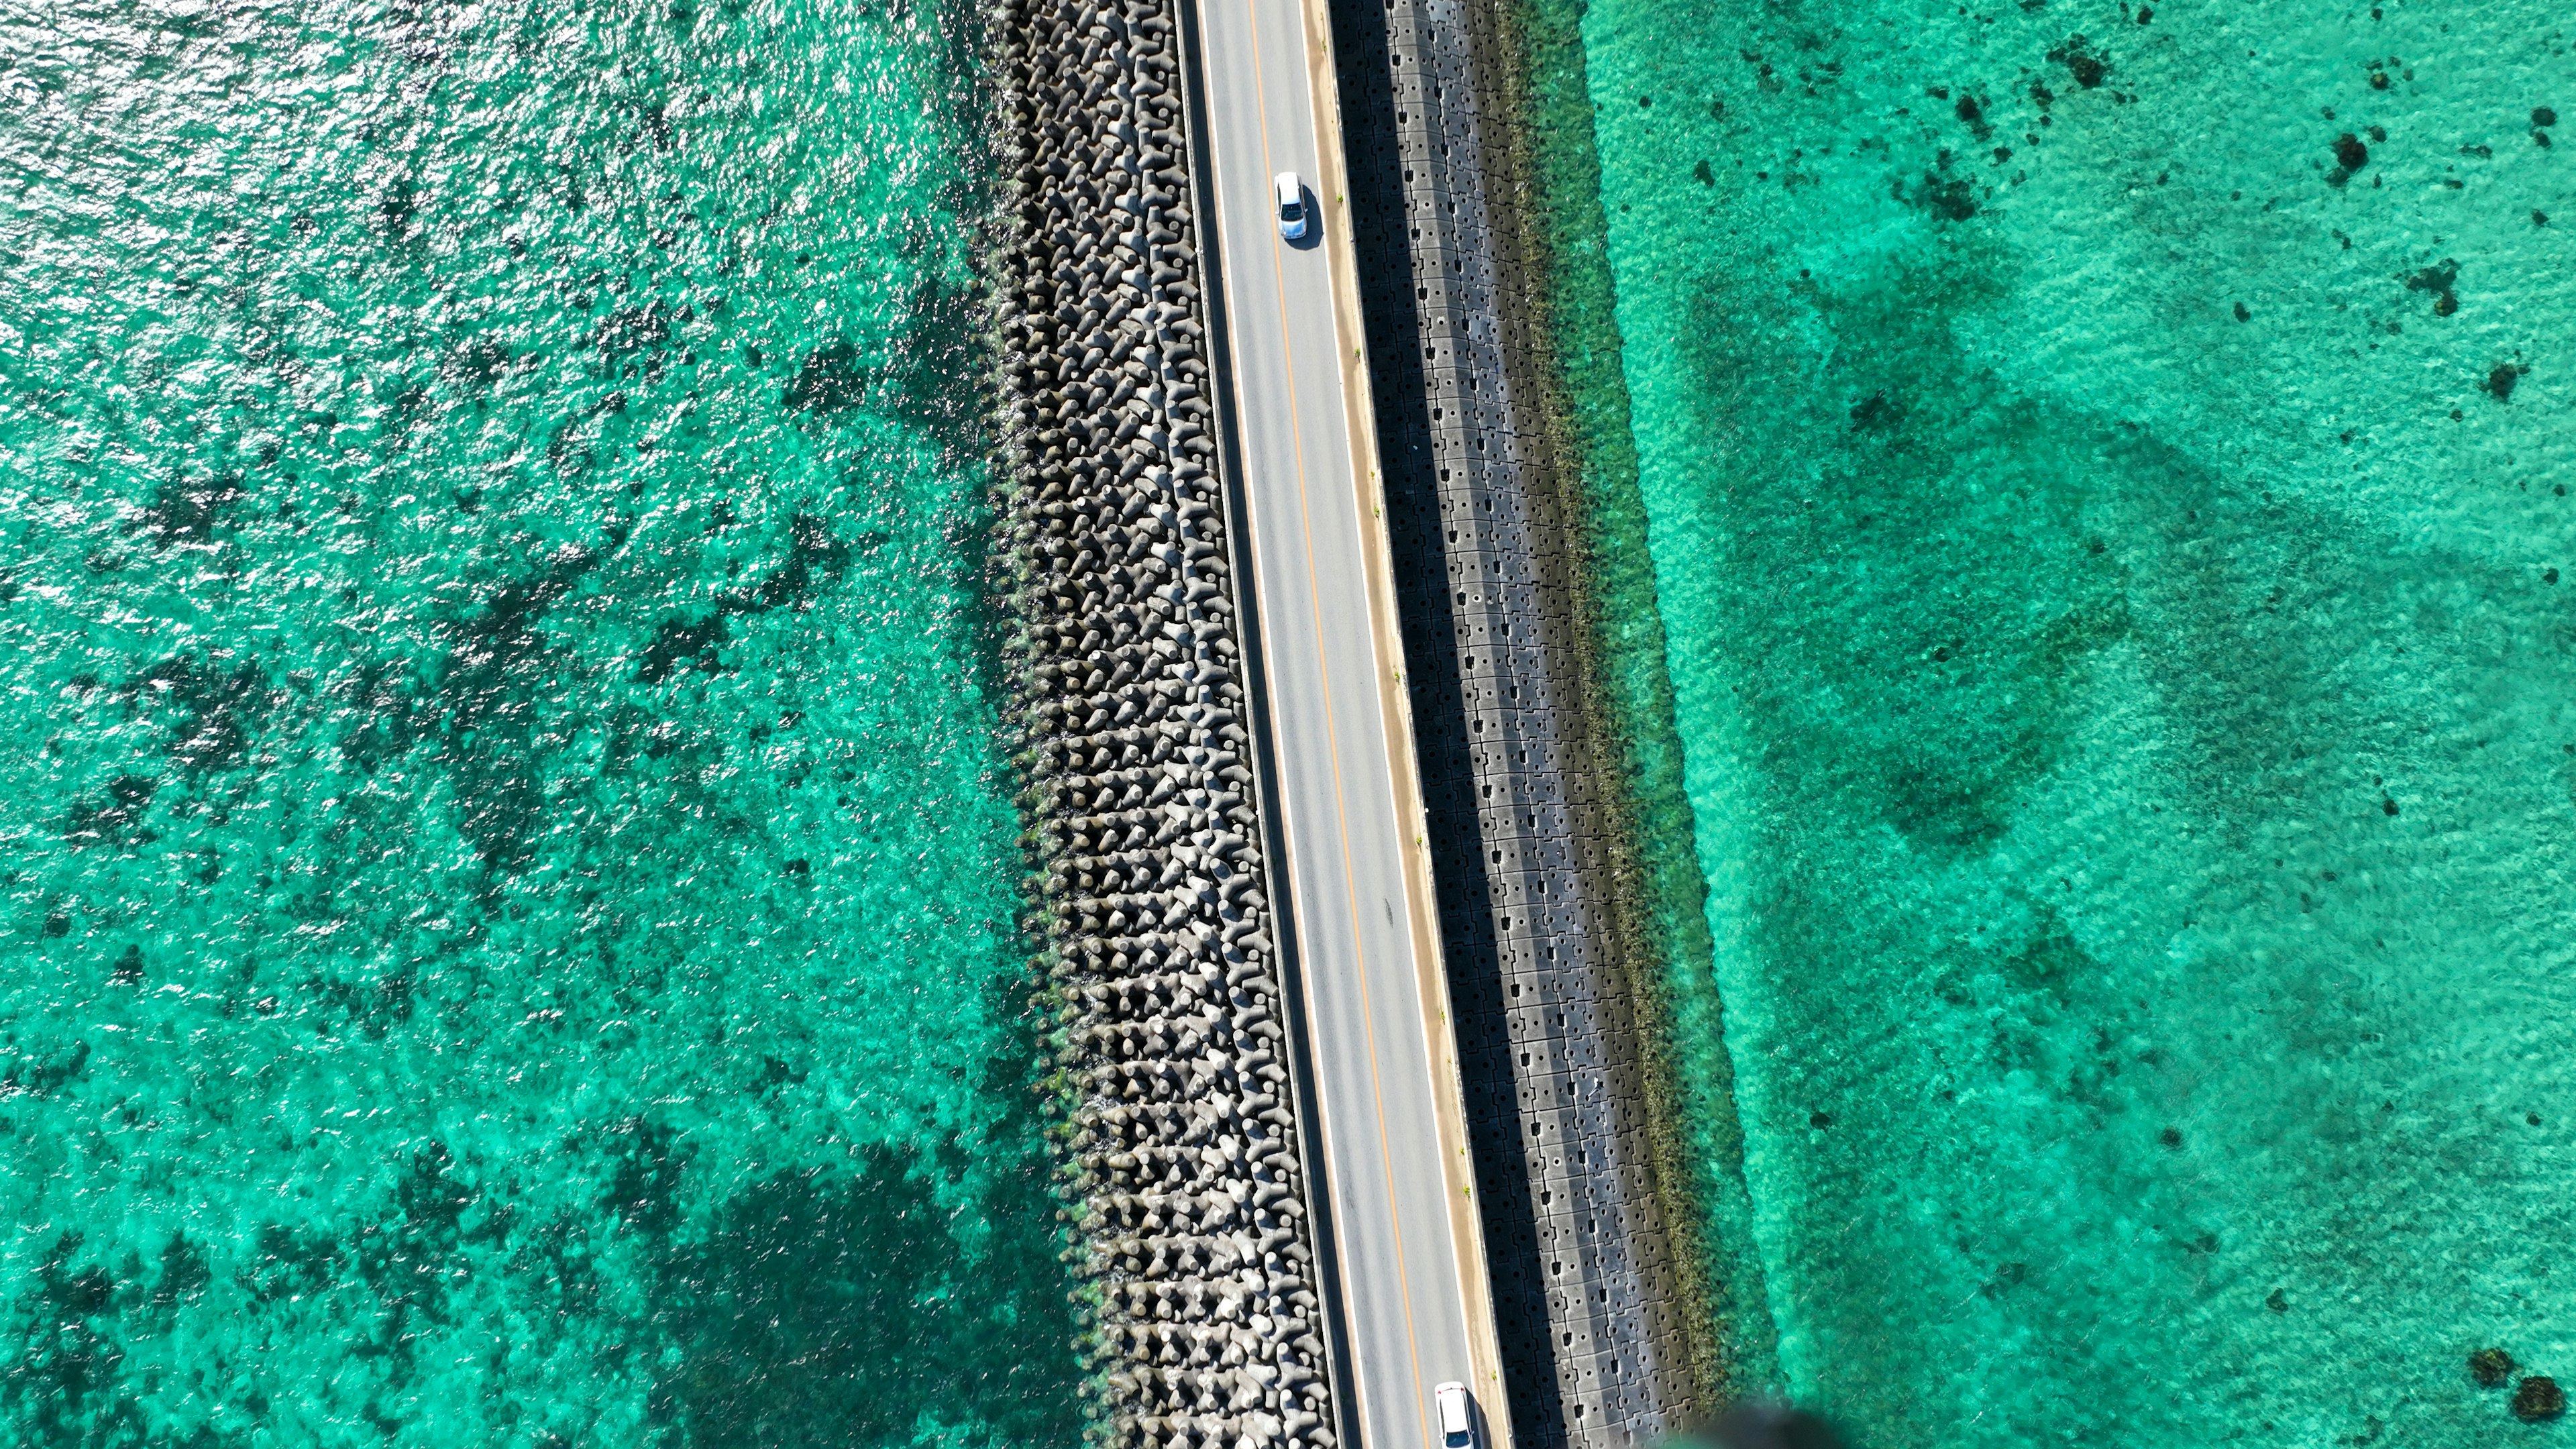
1415 1310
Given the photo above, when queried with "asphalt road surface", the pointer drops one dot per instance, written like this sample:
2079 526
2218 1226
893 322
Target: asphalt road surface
1375 1022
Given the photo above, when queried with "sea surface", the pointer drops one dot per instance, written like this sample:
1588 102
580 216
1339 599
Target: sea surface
2103 472
510 879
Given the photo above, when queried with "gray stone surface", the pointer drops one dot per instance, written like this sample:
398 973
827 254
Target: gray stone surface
1595 1349
1184 1168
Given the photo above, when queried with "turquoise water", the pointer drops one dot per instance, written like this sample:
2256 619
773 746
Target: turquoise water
2105 475
509 875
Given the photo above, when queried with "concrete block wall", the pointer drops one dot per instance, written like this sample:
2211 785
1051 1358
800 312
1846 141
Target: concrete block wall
1586 1294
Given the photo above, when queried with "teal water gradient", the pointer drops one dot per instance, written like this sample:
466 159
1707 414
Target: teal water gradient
2105 472
509 878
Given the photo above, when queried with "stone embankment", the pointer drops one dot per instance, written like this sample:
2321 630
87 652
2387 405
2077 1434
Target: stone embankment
1601 1316
1183 1157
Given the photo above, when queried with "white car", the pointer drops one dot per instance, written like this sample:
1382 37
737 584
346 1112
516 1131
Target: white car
1457 1424
1292 204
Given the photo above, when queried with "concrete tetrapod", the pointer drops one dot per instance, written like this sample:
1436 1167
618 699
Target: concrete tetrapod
1182 1168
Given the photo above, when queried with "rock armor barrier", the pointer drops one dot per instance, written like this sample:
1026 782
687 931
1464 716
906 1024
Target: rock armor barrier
1599 1316
1183 1168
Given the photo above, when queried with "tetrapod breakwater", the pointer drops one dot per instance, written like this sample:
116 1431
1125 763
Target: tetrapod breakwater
1183 1165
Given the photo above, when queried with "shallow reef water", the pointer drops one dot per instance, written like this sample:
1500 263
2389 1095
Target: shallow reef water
2105 470
509 875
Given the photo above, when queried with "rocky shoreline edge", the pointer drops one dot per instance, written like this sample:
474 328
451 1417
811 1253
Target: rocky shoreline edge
1181 1163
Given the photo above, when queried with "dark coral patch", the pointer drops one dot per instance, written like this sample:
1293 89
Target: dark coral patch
2491 1367
477 363
67 1380
114 820
186 511
825 1309
2442 280
486 690
830 380
2089 67
1951 200
1877 410
1973 112
630 330
814 555
217 708
677 642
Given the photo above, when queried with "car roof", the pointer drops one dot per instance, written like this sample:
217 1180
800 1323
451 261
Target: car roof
1286 182
1453 1406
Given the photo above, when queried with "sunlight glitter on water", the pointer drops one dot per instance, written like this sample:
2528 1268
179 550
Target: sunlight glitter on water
511 871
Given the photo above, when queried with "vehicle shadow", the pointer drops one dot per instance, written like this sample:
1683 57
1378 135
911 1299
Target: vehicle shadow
1314 236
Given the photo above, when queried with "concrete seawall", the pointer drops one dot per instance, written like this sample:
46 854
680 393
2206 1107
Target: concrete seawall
1184 1168
1602 1328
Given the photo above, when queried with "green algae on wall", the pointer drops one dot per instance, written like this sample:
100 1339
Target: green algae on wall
510 880
2106 481
1662 896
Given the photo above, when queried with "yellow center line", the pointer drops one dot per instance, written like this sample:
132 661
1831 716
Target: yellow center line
1332 743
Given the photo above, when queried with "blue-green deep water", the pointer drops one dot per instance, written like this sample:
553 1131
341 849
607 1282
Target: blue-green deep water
2104 472
510 877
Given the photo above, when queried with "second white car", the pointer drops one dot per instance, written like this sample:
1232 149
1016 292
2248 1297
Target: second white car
1457 1421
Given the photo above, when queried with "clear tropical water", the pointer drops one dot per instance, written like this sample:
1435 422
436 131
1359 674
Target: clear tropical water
509 882
2105 477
